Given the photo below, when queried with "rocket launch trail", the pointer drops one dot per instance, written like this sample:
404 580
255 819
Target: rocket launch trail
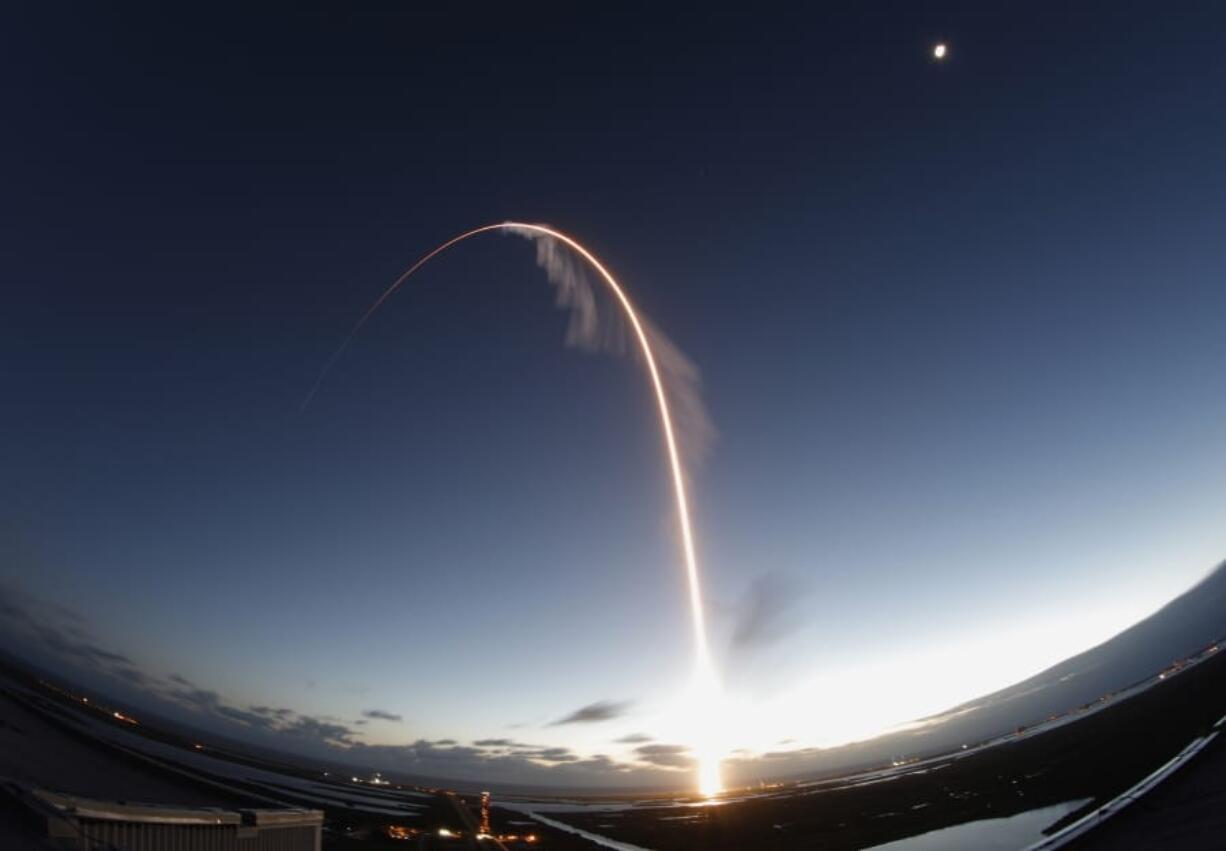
705 677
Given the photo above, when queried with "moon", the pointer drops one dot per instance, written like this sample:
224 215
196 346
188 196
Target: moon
939 50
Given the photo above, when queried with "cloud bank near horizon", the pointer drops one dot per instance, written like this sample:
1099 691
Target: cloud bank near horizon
56 637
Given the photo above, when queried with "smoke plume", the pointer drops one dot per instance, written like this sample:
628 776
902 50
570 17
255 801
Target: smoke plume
596 325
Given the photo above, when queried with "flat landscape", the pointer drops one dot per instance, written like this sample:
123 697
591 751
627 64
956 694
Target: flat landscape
1010 792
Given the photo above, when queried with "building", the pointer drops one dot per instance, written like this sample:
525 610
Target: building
82 823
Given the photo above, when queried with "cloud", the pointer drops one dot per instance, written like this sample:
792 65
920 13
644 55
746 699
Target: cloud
280 712
549 754
601 710
244 717
77 650
598 323
601 763
63 633
321 732
634 739
59 630
18 605
792 754
281 723
132 676
666 756
197 698
506 761
181 691
66 636
768 611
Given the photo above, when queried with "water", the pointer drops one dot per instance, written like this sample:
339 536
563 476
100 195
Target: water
997 834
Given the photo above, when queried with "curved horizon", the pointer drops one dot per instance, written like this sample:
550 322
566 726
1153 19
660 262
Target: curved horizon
1191 616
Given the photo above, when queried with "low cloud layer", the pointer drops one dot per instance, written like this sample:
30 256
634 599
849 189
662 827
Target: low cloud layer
62 632
64 640
666 756
601 710
59 633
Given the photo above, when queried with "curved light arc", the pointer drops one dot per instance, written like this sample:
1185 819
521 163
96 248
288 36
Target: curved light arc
705 669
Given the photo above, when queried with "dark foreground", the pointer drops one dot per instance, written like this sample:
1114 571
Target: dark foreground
1186 812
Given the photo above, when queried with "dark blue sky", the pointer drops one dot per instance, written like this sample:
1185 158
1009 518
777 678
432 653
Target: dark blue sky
961 328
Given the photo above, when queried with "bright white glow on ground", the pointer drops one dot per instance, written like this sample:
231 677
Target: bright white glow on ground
711 724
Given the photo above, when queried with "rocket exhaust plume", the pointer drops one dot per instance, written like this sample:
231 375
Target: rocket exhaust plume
661 358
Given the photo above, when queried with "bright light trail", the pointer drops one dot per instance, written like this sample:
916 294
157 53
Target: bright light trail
706 683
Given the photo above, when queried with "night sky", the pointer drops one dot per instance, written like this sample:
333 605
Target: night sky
961 327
